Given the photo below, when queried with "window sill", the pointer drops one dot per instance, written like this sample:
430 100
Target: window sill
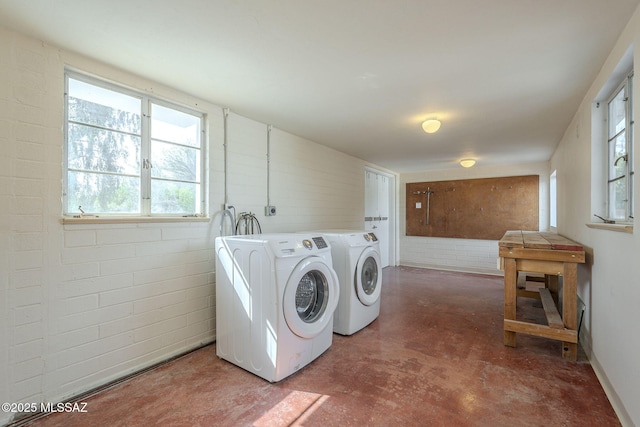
623 228
131 219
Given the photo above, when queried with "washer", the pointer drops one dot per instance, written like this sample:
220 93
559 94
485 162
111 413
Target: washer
275 298
356 259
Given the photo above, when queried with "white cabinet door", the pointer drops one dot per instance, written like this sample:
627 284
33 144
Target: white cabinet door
370 194
383 196
376 216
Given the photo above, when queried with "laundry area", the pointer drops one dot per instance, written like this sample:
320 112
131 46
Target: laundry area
436 359
276 213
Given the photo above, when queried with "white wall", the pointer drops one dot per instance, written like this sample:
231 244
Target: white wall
472 255
609 283
84 304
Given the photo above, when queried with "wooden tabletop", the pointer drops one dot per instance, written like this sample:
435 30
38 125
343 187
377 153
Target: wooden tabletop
538 240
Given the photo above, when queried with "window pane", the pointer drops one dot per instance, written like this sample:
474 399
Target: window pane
617 162
172 161
617 110
103 193
102 107
174 126
618 199
632 204
553 202
174 197
94 149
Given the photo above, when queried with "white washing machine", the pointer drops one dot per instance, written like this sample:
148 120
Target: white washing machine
356 259
275 298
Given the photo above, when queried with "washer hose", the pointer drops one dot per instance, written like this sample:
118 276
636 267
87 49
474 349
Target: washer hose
248 224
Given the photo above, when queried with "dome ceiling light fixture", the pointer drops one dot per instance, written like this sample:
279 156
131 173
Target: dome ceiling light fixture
467 163
431 125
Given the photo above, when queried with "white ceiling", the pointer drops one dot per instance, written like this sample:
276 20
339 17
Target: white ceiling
504 76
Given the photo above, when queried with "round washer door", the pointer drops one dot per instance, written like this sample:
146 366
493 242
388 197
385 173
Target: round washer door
368 276
310 297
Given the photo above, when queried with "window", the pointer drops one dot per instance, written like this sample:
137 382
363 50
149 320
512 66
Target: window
620 153
553 201
130 154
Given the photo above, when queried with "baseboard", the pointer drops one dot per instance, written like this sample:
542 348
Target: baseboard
614 399
585 342
489 271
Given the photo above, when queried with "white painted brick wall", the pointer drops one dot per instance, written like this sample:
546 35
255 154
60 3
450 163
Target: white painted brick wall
74 338
27 369
27 314
87 303
81 271
93 349
27 332
26 296
26 351
97 253
129 235
93 285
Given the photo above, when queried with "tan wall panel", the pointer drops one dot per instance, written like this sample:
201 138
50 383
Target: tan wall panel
472 208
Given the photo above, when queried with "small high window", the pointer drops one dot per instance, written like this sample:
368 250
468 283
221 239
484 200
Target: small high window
553 201
620 153
130 154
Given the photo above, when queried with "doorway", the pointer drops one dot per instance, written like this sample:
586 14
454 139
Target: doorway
379 208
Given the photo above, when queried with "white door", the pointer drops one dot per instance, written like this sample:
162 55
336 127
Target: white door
377 211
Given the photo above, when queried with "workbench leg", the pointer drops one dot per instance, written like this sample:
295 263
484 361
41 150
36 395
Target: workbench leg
569 307
510 285
551 282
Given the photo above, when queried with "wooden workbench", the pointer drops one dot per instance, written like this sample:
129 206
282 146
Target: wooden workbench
553 256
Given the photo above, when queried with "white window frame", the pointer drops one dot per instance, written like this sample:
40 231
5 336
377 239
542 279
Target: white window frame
145 176
553 201
627 86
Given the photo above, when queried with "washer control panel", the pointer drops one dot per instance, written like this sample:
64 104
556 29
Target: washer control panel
320 242
370 237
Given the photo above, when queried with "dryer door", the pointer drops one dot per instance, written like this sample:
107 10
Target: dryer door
368 276
310 297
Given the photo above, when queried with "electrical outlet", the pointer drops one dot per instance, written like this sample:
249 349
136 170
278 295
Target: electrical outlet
269 210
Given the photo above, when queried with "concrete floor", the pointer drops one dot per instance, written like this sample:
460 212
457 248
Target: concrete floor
434 357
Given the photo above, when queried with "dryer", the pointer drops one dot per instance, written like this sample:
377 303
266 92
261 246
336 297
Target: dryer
356 259
275 298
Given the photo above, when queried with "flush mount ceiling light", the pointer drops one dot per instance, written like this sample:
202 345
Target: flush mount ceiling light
431 125
467 163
